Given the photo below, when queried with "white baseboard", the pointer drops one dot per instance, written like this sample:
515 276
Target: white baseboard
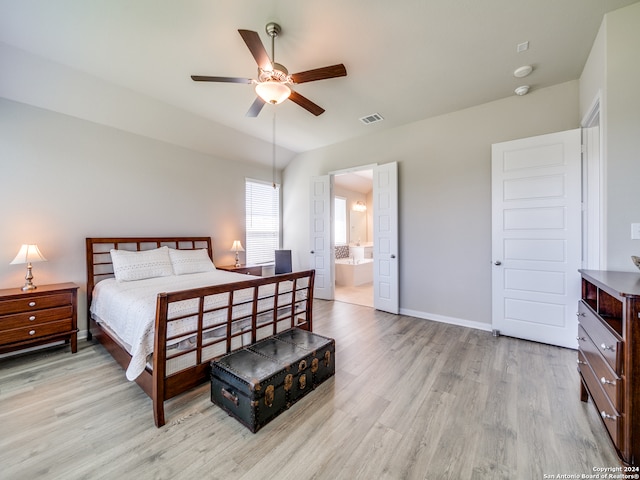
444 319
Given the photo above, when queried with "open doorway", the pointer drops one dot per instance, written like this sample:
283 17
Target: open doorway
353 230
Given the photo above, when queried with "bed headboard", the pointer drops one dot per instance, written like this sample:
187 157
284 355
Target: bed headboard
99 266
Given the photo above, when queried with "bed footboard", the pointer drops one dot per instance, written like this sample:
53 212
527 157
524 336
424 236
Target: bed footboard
229 317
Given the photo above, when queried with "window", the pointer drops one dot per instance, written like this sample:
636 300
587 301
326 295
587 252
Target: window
262 203
340 220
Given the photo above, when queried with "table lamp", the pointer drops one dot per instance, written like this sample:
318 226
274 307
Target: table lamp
28 254
237 247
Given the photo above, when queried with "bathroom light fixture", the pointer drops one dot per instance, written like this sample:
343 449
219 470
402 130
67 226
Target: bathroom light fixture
28 254
522 90
237 247
359 206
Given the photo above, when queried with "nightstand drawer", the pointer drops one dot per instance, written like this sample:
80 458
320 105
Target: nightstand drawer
35 302
36 331
29 319
250 270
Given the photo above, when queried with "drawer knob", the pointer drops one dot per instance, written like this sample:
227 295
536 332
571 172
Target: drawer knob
32 304
32 318
606 347
32 332
604 381
606 416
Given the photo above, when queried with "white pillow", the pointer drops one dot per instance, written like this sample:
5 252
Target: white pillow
129 266
190 261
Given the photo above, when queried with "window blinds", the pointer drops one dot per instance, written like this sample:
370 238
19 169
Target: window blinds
263 221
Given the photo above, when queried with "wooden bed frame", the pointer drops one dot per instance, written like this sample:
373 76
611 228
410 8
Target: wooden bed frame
156 381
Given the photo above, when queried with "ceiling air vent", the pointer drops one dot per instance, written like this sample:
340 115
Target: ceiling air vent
373 118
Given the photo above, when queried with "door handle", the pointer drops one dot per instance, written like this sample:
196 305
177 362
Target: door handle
393 256
497 262
312 252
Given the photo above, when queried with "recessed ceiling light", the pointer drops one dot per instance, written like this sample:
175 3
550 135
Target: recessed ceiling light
522 90
522 71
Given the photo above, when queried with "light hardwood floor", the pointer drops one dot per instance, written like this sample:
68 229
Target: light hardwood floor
410 399
360 295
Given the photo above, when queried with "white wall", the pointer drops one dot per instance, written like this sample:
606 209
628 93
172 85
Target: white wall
612 71
63 179
623 135
445 195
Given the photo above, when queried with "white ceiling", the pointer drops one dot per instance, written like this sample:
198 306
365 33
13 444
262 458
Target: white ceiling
359 181
407 60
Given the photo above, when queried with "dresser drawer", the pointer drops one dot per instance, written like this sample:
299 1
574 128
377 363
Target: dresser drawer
36 331
35 303
607 342
36 317
610 416
610 382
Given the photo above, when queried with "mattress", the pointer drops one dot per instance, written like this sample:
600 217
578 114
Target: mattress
128 309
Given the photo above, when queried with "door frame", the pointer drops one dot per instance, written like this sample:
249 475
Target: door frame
593 188
332 174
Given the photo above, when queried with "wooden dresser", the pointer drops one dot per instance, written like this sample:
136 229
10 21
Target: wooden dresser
609 355
37 317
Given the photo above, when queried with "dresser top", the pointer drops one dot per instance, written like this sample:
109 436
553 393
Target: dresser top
42 289
626 284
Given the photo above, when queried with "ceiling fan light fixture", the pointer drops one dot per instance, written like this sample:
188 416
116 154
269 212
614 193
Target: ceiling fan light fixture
273 92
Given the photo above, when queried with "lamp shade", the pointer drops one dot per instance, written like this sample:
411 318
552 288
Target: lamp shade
237 246
273 92
28 254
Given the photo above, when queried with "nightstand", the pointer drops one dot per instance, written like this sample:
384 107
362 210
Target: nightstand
248 269
37 317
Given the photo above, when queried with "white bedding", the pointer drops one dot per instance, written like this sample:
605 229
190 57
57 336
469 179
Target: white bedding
129 309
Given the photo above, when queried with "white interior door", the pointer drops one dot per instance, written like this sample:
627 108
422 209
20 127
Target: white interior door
385 238
536 230
321 237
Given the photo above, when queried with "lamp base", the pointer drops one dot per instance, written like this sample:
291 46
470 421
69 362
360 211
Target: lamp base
29 277
237 260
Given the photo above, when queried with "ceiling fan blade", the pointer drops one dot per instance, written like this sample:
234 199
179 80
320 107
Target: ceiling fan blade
305 103
320 74
256 48
255 108
201 78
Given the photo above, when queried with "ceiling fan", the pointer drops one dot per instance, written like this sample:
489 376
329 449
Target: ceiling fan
272 85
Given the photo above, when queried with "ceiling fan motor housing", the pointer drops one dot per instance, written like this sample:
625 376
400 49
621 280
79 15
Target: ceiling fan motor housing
278 74
273 29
